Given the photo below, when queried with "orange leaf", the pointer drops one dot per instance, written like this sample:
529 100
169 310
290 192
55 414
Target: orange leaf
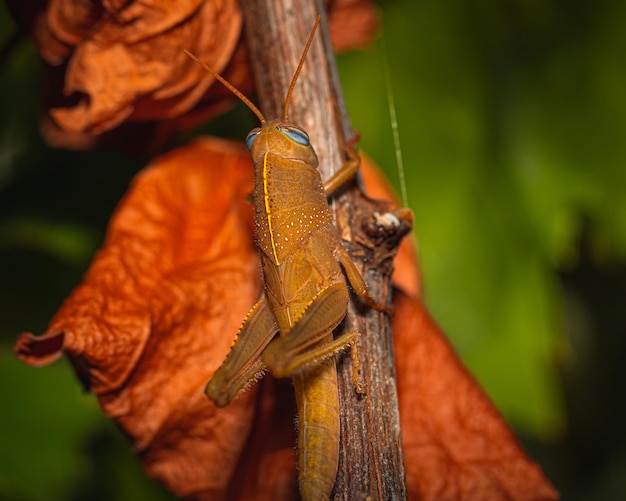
157 311
159 308
132 64
114 63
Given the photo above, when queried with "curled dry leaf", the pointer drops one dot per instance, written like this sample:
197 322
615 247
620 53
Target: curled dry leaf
146 328
124 60
159 307
115 62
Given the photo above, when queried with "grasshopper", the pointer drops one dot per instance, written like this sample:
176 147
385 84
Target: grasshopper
305 295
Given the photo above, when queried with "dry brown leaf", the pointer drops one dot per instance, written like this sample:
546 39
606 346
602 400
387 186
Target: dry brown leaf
159 307
114 63
156 311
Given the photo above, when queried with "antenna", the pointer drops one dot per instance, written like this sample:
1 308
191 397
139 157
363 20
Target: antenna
299 68
229 86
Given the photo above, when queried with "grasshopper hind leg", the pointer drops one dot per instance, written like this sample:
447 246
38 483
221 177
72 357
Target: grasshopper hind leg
243 363
306 345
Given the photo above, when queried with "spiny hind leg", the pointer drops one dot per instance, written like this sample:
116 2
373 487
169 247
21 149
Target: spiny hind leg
308 343
243 363
317 355
297 348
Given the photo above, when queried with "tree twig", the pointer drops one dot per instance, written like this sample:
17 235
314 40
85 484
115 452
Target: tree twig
371 461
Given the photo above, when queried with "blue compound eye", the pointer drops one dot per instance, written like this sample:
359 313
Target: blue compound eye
252 136
295 134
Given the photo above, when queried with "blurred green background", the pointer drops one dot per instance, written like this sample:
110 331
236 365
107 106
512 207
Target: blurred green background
512 120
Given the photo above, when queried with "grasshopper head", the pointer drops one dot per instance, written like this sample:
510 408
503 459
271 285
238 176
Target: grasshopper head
281 139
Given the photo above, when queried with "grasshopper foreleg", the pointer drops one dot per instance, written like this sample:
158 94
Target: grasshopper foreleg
347 171
356 281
